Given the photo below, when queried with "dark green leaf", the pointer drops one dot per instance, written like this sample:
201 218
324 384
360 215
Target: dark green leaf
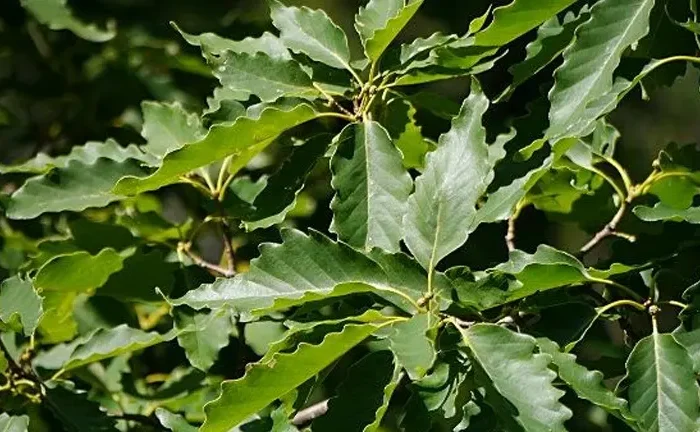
76 412
380 21
411 344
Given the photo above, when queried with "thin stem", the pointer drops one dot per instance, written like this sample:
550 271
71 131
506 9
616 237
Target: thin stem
510 234
618 303
623 174
205 264
310 413
204 173
674 303
332 100
346 117
222 174
627 290
611 182
608 230
405 296
354 75
197 185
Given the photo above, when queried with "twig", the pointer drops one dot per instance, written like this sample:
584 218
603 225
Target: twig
309 413
184 247
608 230
510 234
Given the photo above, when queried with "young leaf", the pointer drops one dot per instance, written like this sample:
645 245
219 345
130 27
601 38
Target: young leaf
78 272
519 17
663 392
413 349
76 187
363 396
265 382
56 15
371 187
587 384
519 375
456 175
301 269
202 335
590 61
380 21
213 44
311 32
168 127
242 139
10 423
173 422
20 305
266 77
106 343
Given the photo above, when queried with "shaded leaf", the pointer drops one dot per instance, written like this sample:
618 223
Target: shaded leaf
380 21
361 399
76 412
590 61
413 348
517 18
663 392
311 32
265 382
20 306
242 139
202 335
56 15
10 423
519 375
139 277
456 175
371 187
74 188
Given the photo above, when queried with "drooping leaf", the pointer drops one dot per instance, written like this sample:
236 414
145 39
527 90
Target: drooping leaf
361 399
266 77
587 384
265 382
88 154
56 15
413 348
371 187
78 272
301 269
663 392
278 196
20 305
74 188
519 375
168 127
242 139
107 343
311 32
456 175
211 43
517 18
10 423
590 61
202 335
173 422
76 412
380 21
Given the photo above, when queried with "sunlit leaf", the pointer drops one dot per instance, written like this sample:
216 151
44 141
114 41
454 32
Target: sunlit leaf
380 21
58 16
20 305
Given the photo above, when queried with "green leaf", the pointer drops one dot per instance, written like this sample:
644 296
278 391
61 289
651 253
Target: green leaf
362 398
587 384
20 305
456 175
78 272
590 61
107 343
690 340
371 186
242 139
422 45
311 32
399 120
263 383
88 154
57 324
279 195
516 19
10 423
211 43
168 127
552 38
662 212
202 335
141 274
663 392
410 343
76 412
519 375
173 422
268 78
56 15
380 21
76 187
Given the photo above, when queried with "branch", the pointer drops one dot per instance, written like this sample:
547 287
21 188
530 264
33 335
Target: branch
610 229
205 264
309 413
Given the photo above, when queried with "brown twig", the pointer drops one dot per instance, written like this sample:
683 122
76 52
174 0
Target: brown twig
185 247
309 413
610 229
